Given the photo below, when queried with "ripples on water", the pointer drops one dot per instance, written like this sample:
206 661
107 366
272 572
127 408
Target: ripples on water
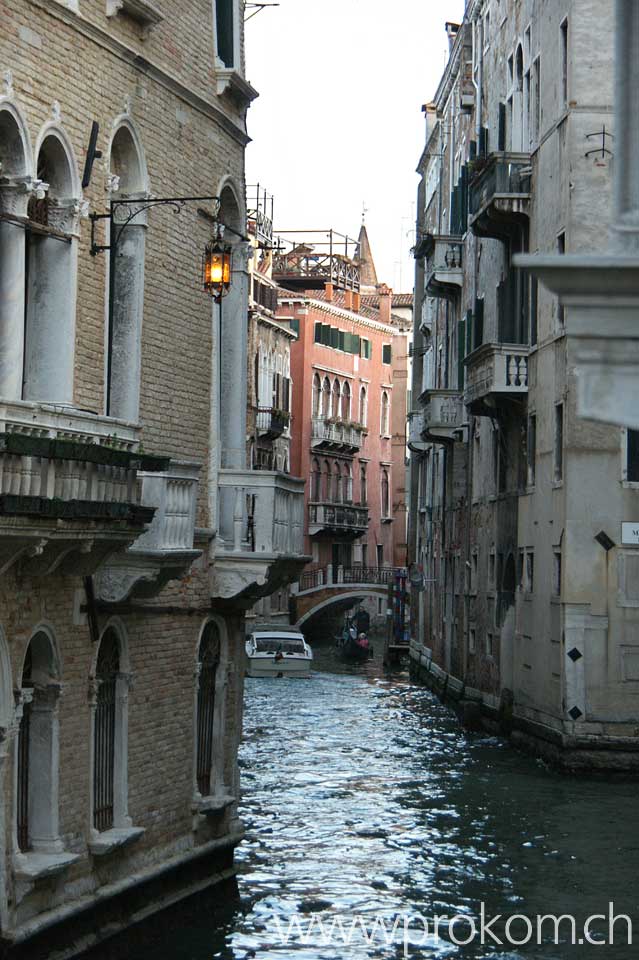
363 796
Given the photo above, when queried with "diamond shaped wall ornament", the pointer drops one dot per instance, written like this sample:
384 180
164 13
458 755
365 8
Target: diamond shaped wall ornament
575 713
575 654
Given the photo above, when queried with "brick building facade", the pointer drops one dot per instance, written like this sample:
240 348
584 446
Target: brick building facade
133 536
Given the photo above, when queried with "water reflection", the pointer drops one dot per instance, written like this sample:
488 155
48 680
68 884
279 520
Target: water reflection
363 796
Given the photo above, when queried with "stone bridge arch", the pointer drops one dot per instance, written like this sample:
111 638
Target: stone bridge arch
309 605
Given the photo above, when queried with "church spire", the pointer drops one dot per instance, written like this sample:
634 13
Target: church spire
367 271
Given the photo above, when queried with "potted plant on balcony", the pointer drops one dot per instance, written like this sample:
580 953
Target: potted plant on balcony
278 423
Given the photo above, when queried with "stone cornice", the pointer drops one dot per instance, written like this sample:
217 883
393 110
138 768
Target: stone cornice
349 315
160 76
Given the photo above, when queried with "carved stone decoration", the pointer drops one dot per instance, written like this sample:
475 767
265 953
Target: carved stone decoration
56 113
7 83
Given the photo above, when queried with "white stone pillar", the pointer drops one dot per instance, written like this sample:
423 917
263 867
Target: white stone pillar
625 224
233 362
44 770
126 322
51 307
12 288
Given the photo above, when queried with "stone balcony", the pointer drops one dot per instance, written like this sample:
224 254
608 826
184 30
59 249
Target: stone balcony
271 423
415 429
331 434
495 371
347 520
444 415
260 541
165 551
444 275
70 493
499 194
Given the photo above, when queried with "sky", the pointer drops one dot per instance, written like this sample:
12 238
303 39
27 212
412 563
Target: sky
338 124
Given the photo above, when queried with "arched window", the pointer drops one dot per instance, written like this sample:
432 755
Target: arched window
337 485
385 415
124 335
385 494
335 411
15 164
37 749
315 482
326 481
326 397
518 121
363 489
208 662
231 322
51 275
347 484
317 396
363 406
346 401
109 709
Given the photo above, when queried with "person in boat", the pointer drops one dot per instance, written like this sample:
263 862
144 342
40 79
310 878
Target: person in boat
362 641
362 620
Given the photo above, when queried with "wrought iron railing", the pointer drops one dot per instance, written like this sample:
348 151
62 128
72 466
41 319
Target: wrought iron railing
332 575
313 261
338 515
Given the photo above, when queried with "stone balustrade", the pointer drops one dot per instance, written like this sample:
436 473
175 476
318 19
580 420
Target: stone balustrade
327 432
261 511
496 369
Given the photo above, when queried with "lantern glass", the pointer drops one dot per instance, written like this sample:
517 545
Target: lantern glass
217 269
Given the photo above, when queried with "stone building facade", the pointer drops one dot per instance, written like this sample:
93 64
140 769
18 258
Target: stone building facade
528 612
133 536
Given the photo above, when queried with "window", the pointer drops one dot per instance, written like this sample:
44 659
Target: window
490 644
37 749
520 569
225 16
385 415
632 456
318 333
386 511
365 348
336 400
472 640
380 556
387 353
326 481
317 395
346 401
536 111
109 725
316 479
206 719
491 569
556 574
559 442
363 406
337 486
533 299
473 572
531 449
563 34
363 491
561 249
530 571
326 397
347 484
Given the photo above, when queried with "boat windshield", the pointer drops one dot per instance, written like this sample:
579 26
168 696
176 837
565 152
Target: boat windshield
278 644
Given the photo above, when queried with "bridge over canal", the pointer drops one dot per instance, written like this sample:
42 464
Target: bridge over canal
337 586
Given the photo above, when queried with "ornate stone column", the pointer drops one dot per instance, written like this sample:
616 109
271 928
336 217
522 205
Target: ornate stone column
14 198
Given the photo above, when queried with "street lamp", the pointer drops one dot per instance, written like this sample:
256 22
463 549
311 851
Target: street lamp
216 268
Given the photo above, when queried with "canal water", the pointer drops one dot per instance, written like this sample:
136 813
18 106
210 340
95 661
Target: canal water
364 801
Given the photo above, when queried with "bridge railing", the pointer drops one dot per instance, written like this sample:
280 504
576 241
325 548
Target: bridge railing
335 576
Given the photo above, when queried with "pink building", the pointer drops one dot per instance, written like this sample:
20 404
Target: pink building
344 395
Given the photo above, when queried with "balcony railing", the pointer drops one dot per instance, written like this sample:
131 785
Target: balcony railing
444 413
337 575
444 257
415 426
173 494
330 433
497 370
337 517
261 512
65 423
499 194
271 423
309 259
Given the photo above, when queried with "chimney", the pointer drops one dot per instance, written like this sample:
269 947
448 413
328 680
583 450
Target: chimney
328 290
348 299
452 30
356 302
385 299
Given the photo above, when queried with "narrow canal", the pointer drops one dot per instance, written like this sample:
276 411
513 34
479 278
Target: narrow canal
363 798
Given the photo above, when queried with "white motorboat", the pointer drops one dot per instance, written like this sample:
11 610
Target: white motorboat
278 653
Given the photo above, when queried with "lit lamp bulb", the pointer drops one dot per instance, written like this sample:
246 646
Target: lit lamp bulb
217 269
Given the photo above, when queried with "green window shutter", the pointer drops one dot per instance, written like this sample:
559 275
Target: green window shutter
318 332
341 340
294 324
334 337
386 353
469 332
355 343
326 335
347 342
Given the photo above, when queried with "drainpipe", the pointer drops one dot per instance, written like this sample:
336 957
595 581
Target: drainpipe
478 50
